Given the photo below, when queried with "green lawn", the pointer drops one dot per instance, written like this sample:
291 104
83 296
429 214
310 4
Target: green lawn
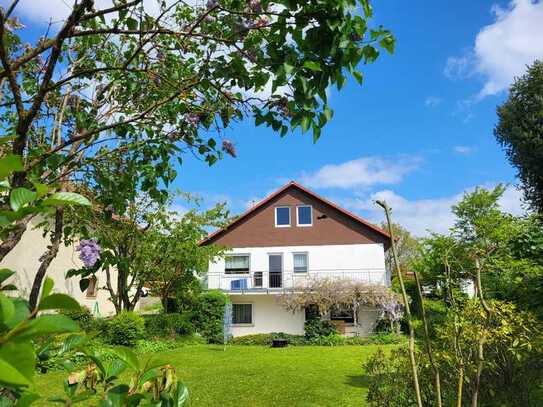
260 376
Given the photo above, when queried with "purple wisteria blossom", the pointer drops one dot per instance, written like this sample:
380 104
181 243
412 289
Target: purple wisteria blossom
89 252
393 311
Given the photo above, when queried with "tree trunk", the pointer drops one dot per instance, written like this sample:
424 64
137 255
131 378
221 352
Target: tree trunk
459 387
14 236
480 362
47 258
412 358
428 345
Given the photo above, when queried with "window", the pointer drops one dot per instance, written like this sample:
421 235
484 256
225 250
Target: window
300 262
282 216
346 315
242 313
92 288
304 215
238 263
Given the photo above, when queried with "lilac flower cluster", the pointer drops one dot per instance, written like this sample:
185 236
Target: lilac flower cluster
393 310
193 119
229 147
89 252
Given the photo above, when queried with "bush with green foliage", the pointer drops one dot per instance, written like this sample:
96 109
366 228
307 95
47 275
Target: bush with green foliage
317 328
83 317
125 329
267 339
209 315
161 325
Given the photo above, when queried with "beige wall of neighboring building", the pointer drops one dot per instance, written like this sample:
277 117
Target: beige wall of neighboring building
24 260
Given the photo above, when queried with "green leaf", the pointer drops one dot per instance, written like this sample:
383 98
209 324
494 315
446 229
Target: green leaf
5 274
312 65
21 312
48 285
10 164
41 189
128 356
306 121
288 68
46 325
59 301
358 76
328 113
131 23
20 197
116 395
84 284
182 394
7 309
17 363
66 198
27 398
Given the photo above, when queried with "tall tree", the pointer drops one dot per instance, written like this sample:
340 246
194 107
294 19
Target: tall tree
120 78
520 132
171 254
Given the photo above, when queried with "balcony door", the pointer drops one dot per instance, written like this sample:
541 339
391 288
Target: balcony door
275 270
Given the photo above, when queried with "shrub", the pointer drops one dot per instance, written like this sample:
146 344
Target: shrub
160 325
332 339
83 317
267 339
316 328
209 315
125 329
377 339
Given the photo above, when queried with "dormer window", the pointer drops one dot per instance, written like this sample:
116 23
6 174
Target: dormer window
282 216
304 215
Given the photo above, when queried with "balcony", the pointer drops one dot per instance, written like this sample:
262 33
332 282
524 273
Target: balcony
266 281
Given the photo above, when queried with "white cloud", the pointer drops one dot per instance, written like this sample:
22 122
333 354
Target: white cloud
463 150
362 172
420 216
458 67
432 101
504 48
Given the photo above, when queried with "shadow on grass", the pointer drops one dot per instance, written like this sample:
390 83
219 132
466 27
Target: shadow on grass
362 381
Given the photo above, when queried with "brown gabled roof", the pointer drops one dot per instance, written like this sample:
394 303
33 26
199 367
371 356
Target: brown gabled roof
293 184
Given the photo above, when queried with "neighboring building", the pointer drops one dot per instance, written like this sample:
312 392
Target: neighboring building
24 260
292 236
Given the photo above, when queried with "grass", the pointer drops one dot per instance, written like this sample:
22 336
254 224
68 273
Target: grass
261 376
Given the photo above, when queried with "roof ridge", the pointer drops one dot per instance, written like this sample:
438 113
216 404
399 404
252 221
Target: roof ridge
307 191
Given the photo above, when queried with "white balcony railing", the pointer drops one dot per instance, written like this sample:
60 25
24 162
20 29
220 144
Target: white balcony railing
276 281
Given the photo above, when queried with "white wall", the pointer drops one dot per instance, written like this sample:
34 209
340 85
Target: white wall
269 316
24 260
364 260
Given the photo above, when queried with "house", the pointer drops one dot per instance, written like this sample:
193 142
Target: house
24 259
290 237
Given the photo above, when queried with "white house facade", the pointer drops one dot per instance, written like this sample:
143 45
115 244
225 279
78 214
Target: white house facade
285 241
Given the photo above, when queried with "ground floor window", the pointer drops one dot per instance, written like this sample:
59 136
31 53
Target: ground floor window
346 315
242 313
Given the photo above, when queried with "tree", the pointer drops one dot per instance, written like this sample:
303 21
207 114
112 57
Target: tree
121 79
520 132
406 246
172 255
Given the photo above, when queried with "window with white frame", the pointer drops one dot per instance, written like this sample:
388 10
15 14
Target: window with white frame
300 262
242 314
237 263
282 216
304 215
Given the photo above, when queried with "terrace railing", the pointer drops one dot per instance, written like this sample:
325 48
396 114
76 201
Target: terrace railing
276 281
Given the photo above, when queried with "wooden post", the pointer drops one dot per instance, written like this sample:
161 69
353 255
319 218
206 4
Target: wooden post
412 359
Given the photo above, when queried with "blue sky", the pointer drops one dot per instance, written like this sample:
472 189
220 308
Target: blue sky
418 132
